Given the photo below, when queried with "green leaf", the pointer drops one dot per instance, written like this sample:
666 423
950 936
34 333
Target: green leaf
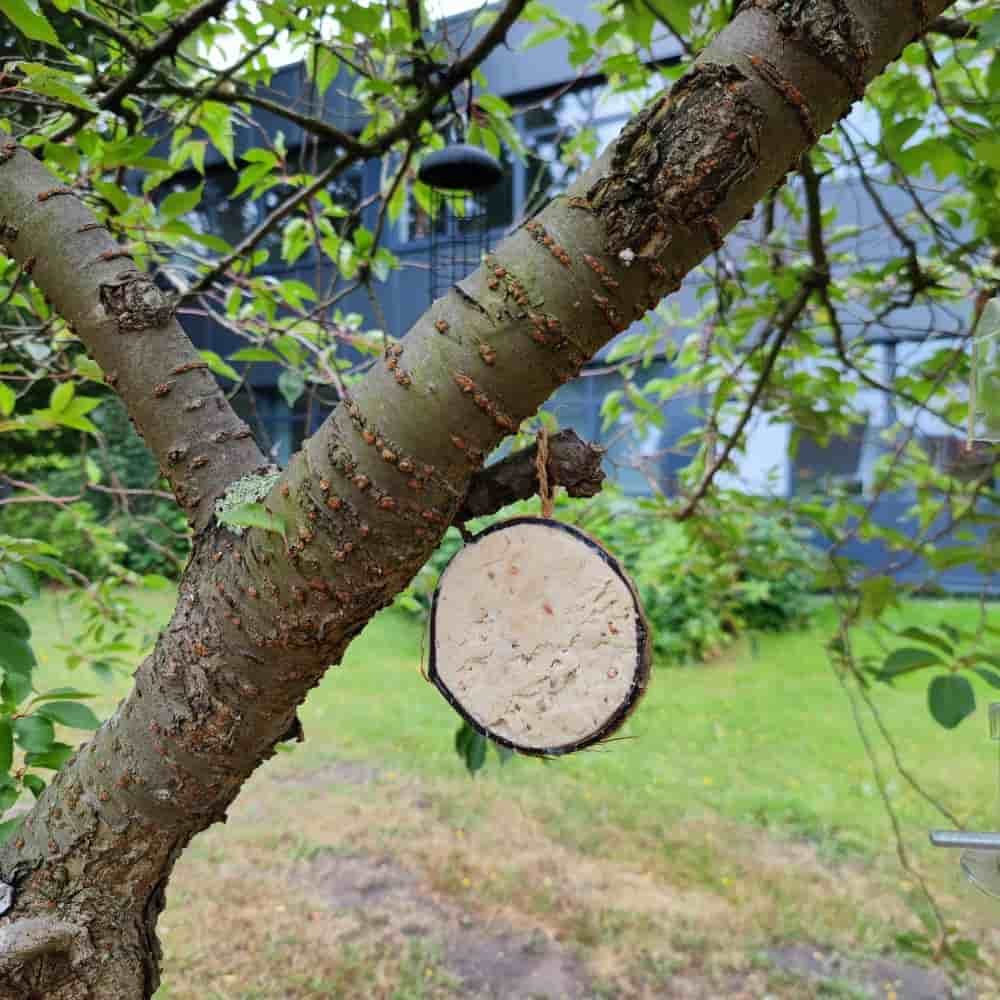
9 794
253 354
64 694
16 654
61 397
931 638
8 827
73 414
112 194
49 82
15 688
7 400
988 151
218 366
950 699
291 385
20 580
29 21
471 747
990 676
53 758
34 733
181 202
877 594
216 120
906 660
70 713
13 624
253 515
6 746
34 783
88 368
325 65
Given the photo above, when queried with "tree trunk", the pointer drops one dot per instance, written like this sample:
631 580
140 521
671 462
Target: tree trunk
260 617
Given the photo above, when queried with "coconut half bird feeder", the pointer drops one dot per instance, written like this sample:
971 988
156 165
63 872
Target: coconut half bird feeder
459 177
538 639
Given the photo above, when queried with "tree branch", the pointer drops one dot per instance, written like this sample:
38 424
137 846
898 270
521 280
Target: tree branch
954 27
573 464
785 327
163 48
310 123
405 127
146 59
128 327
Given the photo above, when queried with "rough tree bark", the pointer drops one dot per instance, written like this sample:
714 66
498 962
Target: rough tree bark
260 618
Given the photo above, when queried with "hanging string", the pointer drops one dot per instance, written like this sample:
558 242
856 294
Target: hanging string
974 373
542 467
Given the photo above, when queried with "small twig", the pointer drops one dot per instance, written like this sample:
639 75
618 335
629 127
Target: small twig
573 464
954 27
788 321
901 852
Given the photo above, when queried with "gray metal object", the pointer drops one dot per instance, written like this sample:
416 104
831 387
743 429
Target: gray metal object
458 228
961 838
981 858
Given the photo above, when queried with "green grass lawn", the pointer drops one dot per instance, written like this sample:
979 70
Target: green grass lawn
743 779
763 735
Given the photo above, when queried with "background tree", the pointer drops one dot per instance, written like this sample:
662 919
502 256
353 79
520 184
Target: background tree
338 533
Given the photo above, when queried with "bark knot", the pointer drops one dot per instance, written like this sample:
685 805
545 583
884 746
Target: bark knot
677 160
135 302
828 29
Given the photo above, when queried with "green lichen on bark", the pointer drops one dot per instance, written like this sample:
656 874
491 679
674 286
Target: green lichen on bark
250 489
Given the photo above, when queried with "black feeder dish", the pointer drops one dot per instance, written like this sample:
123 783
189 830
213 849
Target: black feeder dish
460 178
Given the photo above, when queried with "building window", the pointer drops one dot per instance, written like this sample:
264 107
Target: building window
820 467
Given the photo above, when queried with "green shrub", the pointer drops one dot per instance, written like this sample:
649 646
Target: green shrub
83 543
699 590
156 542
93 533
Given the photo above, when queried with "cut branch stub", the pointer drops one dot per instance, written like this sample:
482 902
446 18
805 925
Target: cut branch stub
538 639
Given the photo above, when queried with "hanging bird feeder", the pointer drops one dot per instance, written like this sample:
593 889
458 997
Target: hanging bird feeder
981 851
459 176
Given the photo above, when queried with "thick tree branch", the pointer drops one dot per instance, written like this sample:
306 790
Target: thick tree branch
573 464
127 325
261 616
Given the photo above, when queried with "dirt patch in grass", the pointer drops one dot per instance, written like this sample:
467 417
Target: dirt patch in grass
881 977
338 772
486 958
